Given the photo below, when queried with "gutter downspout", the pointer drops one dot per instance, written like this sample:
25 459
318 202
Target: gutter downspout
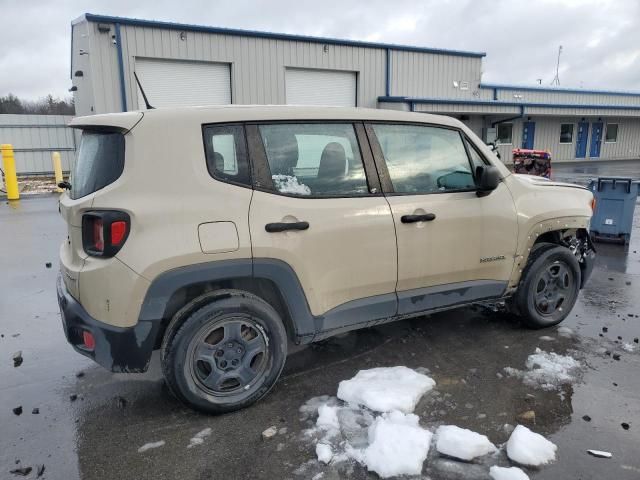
123 91
493 124
387 86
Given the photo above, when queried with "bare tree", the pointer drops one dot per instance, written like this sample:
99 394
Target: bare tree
44 106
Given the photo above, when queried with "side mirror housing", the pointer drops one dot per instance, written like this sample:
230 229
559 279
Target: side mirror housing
487 179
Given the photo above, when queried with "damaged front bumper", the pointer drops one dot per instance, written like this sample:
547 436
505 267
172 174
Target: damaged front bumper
115 348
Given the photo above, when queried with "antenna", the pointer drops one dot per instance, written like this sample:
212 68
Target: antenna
146 102
556 79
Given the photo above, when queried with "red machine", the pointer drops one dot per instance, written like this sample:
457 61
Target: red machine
532 162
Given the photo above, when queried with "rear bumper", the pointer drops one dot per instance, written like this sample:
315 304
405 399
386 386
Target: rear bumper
117 349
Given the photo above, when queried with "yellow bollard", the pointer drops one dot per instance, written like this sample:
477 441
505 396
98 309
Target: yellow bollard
9 167
57 169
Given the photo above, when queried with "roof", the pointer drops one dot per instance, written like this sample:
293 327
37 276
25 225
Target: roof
271 35
249 113
535 88
457 101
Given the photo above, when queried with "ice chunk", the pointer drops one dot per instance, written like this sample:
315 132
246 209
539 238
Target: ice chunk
324 452
198 438
512 473
149 446
289 184
565 332
547 370
462 443
397 445
528 448
386 388
627 347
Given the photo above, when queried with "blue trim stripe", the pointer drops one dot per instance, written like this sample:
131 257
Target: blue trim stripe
496 87
440 101
123 91
274 36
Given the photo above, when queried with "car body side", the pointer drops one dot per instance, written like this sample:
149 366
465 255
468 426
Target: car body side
192 234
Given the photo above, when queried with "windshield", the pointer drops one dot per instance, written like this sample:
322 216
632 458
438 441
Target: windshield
100 162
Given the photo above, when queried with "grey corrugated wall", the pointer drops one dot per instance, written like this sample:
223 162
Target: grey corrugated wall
35 137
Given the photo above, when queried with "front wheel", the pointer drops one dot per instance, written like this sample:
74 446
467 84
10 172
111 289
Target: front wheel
226 354
549 286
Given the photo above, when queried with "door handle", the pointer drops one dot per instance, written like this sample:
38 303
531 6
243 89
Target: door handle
283 226
427 217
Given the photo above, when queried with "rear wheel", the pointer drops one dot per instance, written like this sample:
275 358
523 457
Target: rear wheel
226 354
549 286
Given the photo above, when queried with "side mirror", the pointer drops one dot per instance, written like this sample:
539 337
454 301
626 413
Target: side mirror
487 179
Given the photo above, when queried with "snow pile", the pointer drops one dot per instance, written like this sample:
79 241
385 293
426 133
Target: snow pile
328 418
462 443
386 389
528 448
324 452
512 473
397 445
547 370
198 438
289 184
151 445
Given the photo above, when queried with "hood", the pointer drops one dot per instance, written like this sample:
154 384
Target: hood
544 182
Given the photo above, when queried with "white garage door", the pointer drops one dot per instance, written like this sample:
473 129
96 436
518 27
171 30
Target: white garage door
175 83
320 87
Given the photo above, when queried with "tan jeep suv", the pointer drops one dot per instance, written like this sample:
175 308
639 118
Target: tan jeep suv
219 234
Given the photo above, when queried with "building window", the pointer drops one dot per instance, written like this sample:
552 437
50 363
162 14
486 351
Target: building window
505 133
566 133
612 133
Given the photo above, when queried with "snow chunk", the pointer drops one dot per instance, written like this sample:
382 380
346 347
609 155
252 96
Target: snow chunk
600 453
627 347
565 332
328 418
324 452
397 445
462 443
289 184
149 446
512 473
546 370
386 388
528 448
198 438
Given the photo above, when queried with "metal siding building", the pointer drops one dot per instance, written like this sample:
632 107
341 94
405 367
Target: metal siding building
35 138
191 64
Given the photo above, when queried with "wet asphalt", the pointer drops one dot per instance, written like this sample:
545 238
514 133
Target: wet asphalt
97 435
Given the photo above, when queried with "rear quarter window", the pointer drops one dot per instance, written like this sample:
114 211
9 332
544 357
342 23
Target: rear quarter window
100 162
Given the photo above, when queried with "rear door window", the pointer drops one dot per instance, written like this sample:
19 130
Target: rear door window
226 152
99 163
314 159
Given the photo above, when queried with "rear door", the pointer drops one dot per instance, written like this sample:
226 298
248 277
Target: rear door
453 246
317 207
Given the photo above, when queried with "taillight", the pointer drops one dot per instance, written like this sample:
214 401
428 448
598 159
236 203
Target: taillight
104 232
593 204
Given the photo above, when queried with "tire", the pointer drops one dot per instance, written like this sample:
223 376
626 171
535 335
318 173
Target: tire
225 354
549 286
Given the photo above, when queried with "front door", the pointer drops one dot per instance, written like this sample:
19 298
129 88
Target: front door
453 246
528 134
596 139
317 211
581 140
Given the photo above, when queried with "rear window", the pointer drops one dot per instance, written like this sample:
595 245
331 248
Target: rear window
100 162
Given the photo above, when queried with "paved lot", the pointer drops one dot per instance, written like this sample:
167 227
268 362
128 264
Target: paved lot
97 435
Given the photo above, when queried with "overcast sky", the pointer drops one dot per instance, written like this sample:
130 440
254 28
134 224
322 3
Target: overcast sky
600 38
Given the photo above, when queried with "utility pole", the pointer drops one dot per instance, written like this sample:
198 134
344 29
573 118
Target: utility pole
556 79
